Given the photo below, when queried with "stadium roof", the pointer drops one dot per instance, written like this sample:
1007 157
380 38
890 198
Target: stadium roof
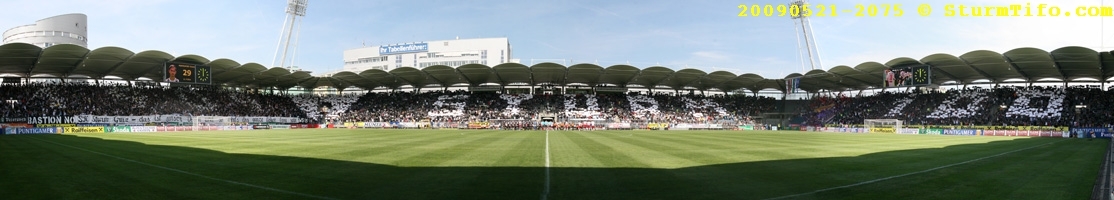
1021 65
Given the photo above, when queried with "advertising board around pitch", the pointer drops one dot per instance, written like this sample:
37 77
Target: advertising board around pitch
84 129
23 130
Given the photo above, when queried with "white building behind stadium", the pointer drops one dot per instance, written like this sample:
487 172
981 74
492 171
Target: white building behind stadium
453 53
61 29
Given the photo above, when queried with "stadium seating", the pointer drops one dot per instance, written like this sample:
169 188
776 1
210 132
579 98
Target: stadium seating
1005 106
1000 106
463 106
65 99
311 104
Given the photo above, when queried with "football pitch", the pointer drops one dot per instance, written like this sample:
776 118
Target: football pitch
489 164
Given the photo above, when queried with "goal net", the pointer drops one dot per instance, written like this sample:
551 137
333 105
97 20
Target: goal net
882 125
199 122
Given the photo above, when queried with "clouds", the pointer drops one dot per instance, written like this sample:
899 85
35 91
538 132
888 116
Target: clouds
710 55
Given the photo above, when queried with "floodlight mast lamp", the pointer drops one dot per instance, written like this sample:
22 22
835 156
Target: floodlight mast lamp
295 10
807 51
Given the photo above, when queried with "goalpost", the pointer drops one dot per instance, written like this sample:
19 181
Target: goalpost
883 125
202 121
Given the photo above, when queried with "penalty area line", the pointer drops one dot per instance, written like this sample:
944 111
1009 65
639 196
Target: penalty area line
910 173
189 173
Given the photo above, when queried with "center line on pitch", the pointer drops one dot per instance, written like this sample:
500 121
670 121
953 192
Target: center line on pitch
545 192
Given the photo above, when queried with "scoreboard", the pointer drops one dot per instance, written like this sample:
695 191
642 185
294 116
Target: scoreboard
908 76
187 73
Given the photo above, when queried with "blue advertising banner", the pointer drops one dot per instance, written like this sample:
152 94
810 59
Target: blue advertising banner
403 48
16 131
1085 132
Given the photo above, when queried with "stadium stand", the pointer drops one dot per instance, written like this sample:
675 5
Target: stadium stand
1076 106
460 106
619 93
65 99
312 104
1001 106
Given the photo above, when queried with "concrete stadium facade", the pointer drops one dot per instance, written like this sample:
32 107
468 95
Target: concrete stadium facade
62 29
457 52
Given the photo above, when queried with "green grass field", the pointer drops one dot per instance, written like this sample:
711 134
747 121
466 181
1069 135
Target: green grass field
468 164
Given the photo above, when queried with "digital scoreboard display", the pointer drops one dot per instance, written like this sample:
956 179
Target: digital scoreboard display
187 73
909 76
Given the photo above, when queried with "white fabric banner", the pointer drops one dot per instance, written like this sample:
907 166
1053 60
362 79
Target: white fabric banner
144 129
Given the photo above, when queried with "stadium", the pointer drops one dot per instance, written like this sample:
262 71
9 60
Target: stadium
114 123
614 118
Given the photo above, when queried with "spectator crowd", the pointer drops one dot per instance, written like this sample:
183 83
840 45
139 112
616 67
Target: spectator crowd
999 106
68 99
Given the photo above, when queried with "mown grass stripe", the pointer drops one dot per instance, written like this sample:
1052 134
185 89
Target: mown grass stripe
648 157
242 144
448 182
189 173
713 179
669 147
477 153
374 152
588 184
577 172
911 173
346 145
519 167
432 151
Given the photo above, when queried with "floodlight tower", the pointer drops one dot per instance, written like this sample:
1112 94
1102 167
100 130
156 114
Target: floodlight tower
807 51
295 10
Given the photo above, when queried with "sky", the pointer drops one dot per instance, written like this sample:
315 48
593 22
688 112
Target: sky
707 35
